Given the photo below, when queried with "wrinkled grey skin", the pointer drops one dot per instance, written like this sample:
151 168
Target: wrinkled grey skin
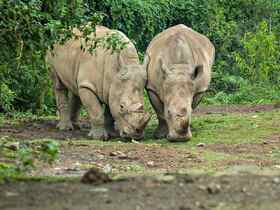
178 63
109 85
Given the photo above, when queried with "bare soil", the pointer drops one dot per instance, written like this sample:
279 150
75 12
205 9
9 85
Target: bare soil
165 192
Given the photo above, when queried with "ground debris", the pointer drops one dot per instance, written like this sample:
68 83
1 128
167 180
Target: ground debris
201 144
151 163
14 146
95 176
118 154
213 188
276 180
165 178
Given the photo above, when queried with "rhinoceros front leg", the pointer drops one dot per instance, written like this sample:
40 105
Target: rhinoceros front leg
110 124
62 105
96 115
162 129
75 106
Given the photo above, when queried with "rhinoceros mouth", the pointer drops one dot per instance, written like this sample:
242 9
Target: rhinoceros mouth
135 137
178 138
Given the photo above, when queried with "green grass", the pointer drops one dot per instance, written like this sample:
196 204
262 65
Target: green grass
229 128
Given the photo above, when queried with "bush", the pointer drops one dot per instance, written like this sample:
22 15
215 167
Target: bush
245 34
260 58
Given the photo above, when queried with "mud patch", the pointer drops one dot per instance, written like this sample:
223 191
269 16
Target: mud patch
41 129
165 192
123 159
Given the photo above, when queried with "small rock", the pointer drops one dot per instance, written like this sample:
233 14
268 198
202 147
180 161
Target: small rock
198 204
118 154
181 184
57 168
95 176
11 194
107 169
151 163
184 208
213 188
265 142
165 178
276 180
277 105
201 187
99 189
13 146
135 142
201 145
188 179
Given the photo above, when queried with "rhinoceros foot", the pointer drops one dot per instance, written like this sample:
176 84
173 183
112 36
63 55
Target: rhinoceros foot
160 133
98 133
65 126
77 126
114 134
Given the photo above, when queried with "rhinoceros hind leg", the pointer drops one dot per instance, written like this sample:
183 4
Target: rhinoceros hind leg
96 115
62 104
110 124
162 130
75 106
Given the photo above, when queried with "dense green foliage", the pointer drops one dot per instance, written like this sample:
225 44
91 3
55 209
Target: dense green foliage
245 33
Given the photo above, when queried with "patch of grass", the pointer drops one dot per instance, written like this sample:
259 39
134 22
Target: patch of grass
229 128
17 158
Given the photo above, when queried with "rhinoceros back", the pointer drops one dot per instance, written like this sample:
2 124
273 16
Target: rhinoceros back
177 43
78 68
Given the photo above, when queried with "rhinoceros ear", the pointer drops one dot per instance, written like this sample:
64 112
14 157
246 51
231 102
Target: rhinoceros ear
198 71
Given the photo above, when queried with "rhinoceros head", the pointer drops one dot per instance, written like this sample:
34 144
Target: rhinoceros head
179 89
127 101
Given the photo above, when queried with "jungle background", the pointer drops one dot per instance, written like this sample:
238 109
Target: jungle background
245 34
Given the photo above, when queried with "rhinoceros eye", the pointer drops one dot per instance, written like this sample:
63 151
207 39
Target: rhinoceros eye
122 108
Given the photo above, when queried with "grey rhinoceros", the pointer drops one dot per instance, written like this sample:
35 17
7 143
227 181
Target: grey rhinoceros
109 85
178 63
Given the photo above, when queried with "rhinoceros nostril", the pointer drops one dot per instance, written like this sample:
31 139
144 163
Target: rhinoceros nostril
138 130
124 133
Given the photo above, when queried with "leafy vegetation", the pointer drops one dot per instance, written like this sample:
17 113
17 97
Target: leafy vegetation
245 34
17 158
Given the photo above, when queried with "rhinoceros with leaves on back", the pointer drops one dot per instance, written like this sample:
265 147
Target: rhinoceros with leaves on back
178 63
108 83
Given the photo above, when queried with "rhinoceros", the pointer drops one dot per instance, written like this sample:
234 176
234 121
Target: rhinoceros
178 63
109 84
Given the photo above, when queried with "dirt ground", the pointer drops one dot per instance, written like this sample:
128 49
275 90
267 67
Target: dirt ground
165 192
219 176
